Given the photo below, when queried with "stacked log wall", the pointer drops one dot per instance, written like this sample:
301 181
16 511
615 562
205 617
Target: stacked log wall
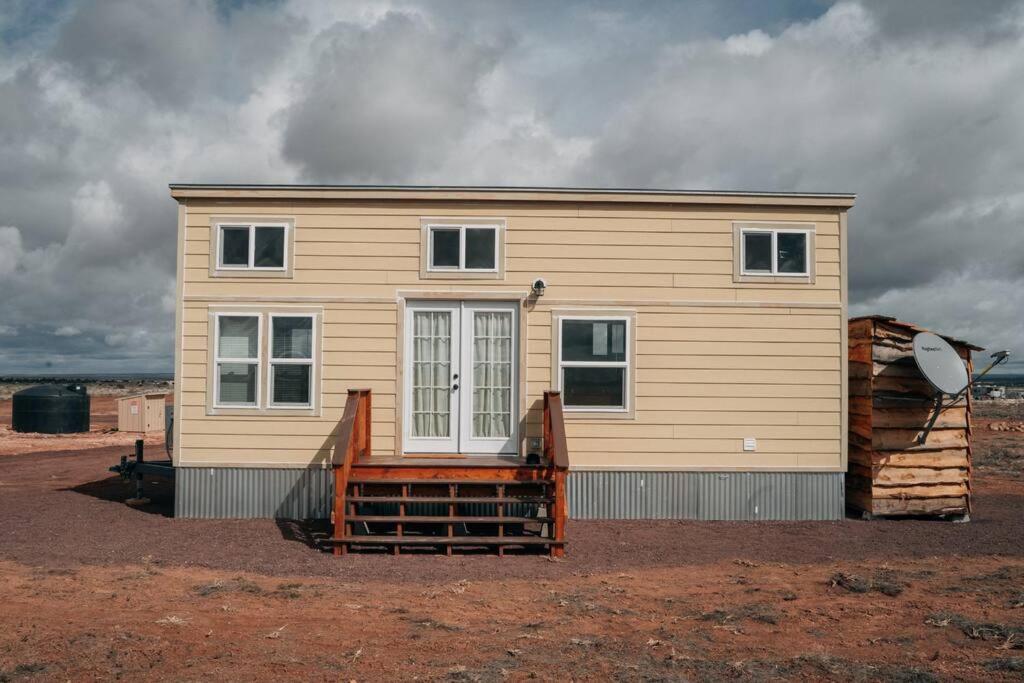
891 404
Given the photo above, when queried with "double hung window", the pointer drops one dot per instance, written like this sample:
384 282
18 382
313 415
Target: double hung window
264 360
594 363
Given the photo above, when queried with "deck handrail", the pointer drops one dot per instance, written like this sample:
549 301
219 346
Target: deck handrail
556 452
353 442
556 448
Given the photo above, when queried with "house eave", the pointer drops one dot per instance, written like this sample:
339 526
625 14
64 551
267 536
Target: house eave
183 191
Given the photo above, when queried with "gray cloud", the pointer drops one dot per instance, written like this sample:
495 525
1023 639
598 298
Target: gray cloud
383 101
175 52
914 106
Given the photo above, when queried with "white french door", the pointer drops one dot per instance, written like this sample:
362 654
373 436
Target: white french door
461 377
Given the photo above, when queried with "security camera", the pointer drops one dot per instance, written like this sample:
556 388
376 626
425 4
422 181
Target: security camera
539 285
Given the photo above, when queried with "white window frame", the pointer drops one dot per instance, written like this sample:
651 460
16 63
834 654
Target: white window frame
311 362
250 266
775 232
461 268
218 359
626 377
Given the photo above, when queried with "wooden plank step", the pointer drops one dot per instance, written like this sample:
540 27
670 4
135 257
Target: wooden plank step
466 482
446 499
413 519
443 540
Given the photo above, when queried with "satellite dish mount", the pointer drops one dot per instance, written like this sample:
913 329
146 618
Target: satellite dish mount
942 366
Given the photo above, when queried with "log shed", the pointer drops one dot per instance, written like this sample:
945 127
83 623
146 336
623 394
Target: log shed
891 405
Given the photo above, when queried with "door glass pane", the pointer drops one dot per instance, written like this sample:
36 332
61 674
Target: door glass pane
444 248
480 248
237 383
292 337
431 374
757 251
234 244
291 384
594 340
492 374
792 252
269 247
594 387
238 336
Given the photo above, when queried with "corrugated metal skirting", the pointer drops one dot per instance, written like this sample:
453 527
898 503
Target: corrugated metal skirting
236 492
706 495
239 492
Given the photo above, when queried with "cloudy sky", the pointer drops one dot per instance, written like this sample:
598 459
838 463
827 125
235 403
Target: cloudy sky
918 107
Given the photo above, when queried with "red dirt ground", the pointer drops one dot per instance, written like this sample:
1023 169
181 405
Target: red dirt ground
95 589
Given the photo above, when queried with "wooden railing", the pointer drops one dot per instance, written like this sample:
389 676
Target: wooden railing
353 443
556 452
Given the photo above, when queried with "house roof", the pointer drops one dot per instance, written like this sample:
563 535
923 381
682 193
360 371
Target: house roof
911 327
470 193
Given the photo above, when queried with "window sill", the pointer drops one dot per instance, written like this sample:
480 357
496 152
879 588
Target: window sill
775 279
247 273
263 412
461 275
587 414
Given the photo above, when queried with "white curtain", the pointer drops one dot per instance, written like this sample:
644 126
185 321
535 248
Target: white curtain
492 374
432 373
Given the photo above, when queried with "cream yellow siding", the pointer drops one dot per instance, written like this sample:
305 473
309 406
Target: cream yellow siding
715 360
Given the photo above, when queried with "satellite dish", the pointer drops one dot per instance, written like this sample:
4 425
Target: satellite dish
940 364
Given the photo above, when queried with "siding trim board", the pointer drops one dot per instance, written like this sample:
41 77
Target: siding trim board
512 294
239 492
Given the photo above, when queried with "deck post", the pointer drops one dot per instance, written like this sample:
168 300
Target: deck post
353 434
556 453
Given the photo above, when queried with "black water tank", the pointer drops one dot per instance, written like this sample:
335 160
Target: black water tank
51 409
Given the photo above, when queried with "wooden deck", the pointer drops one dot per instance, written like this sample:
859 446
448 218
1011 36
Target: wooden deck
428 460
446 501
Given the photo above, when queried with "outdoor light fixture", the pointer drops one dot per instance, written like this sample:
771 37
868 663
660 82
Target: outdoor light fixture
539 285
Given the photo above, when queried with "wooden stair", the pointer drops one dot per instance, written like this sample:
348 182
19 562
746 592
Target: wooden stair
448 513
449 505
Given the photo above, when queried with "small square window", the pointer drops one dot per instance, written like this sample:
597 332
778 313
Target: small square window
237 384
480 253
775 252
792 252
251 247
445 248
291 384
234 242
469 248
757 252
269 247
594 387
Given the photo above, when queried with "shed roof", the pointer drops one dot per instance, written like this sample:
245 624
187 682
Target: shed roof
889 320
491 193
151 394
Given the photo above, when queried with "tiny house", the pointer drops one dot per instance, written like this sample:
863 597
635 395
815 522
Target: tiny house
679 354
